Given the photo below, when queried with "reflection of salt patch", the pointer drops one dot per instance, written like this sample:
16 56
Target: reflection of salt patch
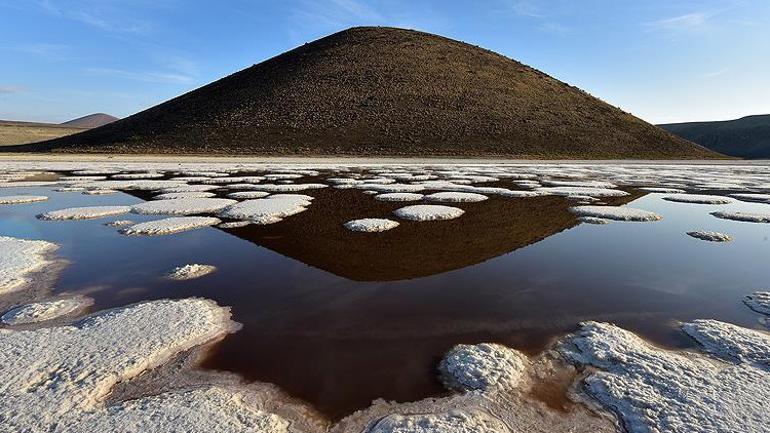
42 311
191 271
398 196
758 301
618 213
759 198
248 194
710 236
19 257
17 199
428 212
456 421
170 225
371 225
593 220
267 210
88 212
182 206
176 195
455 197
698 199
744 216
482 366
655 390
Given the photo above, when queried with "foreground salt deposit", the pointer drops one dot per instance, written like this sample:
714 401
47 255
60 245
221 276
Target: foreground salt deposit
654 390
42 311
710 236
81 213
182 206
618 213
428 212
62 389
482 366
189 272
445 422
19 258
758 301
269 210
170 225
371 225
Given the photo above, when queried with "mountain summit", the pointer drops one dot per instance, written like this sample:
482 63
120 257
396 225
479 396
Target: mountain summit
374 91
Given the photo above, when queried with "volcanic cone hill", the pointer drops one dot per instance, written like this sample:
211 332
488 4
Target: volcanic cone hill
382 91
91 121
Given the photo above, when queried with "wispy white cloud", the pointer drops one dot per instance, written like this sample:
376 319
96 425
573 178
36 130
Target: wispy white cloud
714 74
145 76
51 52
110 16
545 20
7 88
692 21
524 8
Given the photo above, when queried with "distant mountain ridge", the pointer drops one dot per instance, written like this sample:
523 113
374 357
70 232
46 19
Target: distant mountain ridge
747 137
376 91
91 121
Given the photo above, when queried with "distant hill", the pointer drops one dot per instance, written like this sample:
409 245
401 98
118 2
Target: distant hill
374 91
747 137
91 121
17 132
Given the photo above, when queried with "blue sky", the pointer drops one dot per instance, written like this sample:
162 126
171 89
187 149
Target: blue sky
663 60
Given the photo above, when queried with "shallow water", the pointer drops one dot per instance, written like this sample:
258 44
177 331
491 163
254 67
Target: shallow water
339 319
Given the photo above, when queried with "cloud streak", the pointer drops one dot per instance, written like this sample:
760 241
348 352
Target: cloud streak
161 77
8 89
682 23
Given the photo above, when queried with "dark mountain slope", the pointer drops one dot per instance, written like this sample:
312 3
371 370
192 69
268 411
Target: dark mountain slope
91 121
747 137
384 91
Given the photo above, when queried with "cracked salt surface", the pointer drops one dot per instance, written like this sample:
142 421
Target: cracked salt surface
170 225
455 421
398 196
62 389
758 301
428 212
269 210
617 213
455 197
87 212
371 225
481 367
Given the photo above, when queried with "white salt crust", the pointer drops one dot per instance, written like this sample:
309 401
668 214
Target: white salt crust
582 191
43 311
617 213
428 212
710 236
749 217
191 271
88 212
455 421
593 220
371 225
234 224
758 301
170 225
758 198
699 199
662 190
182 206
62 388
18 199
178 195
655 390
481 367
248 194
455 197
99 191
119 223
20 257
398 196
267 210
